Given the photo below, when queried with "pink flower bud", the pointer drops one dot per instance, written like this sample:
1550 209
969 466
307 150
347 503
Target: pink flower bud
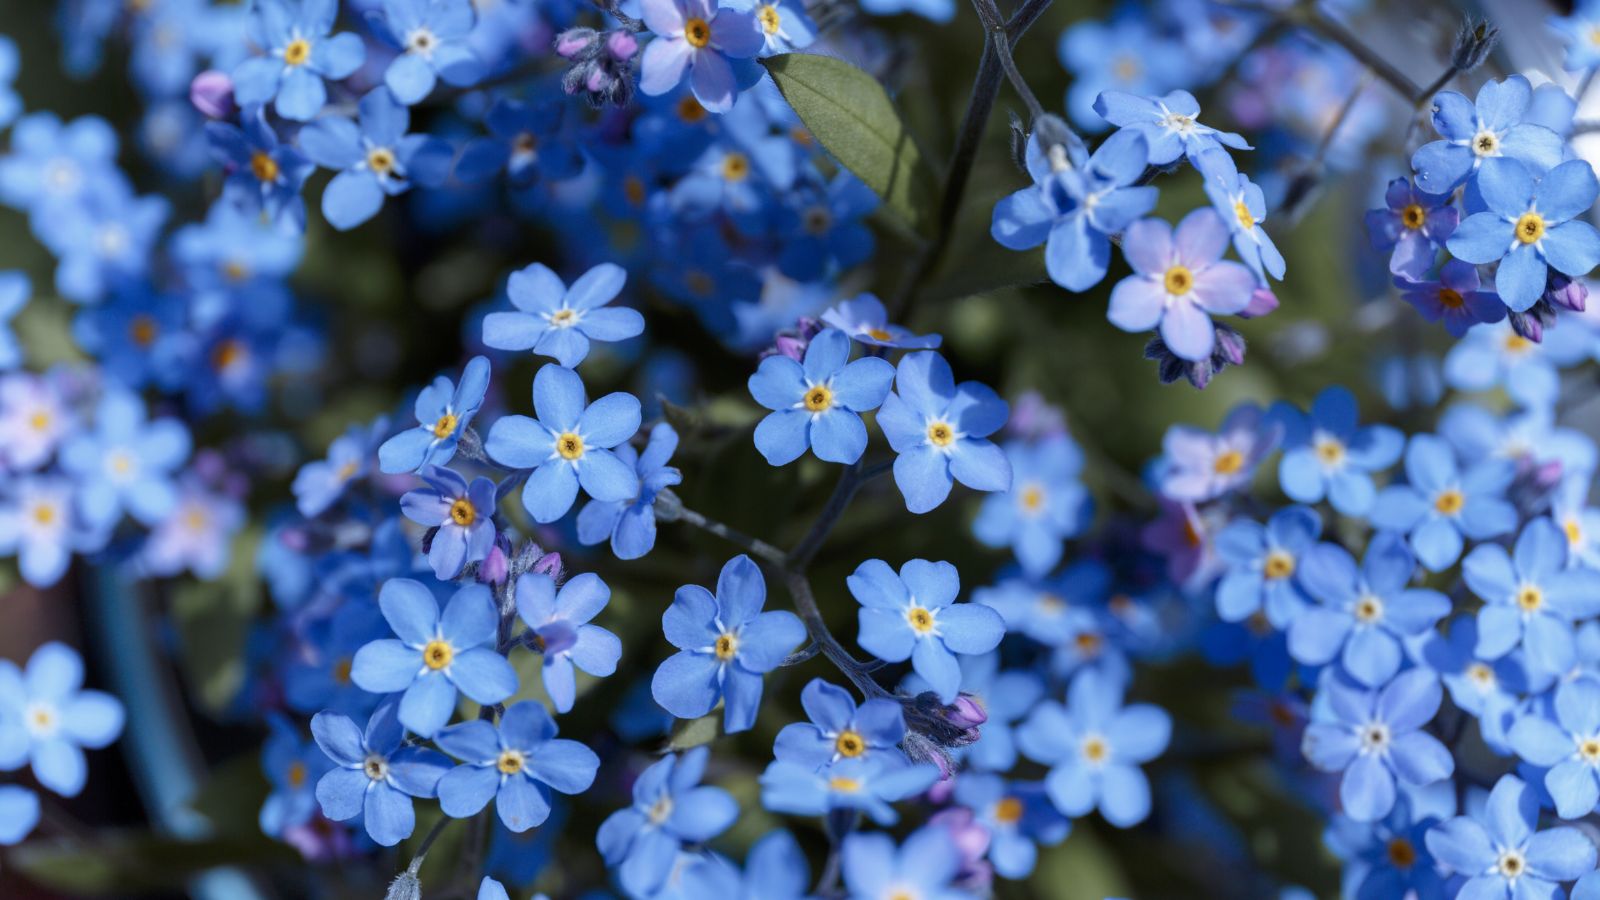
621 45
574 41
1262 301
966 712
211 92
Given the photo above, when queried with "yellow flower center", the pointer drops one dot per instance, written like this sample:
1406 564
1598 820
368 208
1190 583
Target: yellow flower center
849 744
1449 502
380 160
1401 853
1450 299
1095 749
697 32
509 762
142 331
1032 498
921 619
462 512
228 354
263 166
564 318
1589 749
1087 643
341 670
1511 864
767 15
1530 228
1330 451
297 52
818 398
735 167
445 427
569 446
878 334
44 514
1369 609
376 767
633 189
727 646
1413 216
39 420
1008 810
1574 531
1241 212
1530 598
1480 674
661 809
296 776
940 434
437 654
690 110
1516 344
1279 565
1179 280
844 785
525 144
1228 462
1485 143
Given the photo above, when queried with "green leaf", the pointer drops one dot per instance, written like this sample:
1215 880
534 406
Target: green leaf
849 113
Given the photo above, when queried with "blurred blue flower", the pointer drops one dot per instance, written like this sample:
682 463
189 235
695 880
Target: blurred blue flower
1441 504
46 719
432 38
443 411
670 807
1454 299
1262 564
631 524
1531 598
1328 454
298 54
374 160
852 783
1046 503
1375 737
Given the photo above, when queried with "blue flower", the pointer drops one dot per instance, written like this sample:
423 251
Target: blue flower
1454 299
864 319
1474 133
707 42
46 718
320 483
824 231
432 36
1168 125
10 103
1529 227
1495 355
725 645
14 293
19 813
1094 746
914 615
462 514
1262 562
924 866
1197 466
784 25
853 783
294 766
126 462
1042 609
1045 505
1415 225
1179 278
1327 454
558 321
54 165
299 55
818 404
374 159
443 410
1018 817
263 174
376 774
104 243
1363 614
1243 208
526 140
840 730
1577 31
516 765
631 524
435 654
776 869
568 445
1568 744
1502 854
1531 599
559 622
939 431
39 526
669 808
1127 53
1441 503
1389 857
1489 691
1074 209
1375 737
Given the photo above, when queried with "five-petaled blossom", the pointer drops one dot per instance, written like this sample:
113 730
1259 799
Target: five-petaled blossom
375 773
559 321
560 628
443 410
818 404
1179 278
713 42
914 615
940 431
670 807
1375 738
516 765
1501 852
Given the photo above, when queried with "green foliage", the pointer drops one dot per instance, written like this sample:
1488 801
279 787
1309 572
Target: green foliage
851 115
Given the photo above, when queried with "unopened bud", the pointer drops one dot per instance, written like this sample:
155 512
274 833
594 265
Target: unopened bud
574 42
549 564
211 92
1262 301
622 45
1472 45
966 712
1564 291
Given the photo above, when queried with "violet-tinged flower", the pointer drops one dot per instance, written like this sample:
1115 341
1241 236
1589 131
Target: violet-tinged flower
707 41
461 514
1454 299
1414 224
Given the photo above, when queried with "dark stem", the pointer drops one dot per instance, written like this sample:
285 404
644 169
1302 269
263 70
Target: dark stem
1319 22
806 605
755 546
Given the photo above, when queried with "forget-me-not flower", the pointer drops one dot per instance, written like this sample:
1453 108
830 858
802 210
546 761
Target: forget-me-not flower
563 632
914 615
1046 503
46 718
1530 597
443 410
1475 132
1567 742
940 432
1262 563
516 764
461 514
1501 852
670 807
818 403
1180 279
557 321
1169 125
1375 738
375 159
1243 208
631 524
433 38
1441 504
839 729
299 55
1414 224
1328 454
710 41
126 462
376 773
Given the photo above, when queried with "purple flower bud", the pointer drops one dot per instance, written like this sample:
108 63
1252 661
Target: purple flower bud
549 564
966 712
1262 301
211 92
496 567
792 347
1548 474
1230 346
1564 291
971 841
1527 325
622 45
574 42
